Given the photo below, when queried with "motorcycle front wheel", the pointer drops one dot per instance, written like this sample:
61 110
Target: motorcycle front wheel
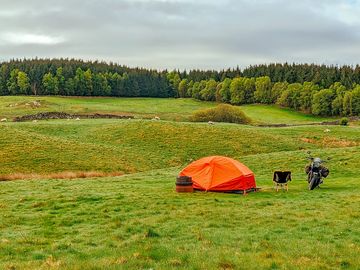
314 182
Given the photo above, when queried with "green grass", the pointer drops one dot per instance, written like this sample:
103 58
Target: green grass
167 109
272 114
142 145
138 221
170 109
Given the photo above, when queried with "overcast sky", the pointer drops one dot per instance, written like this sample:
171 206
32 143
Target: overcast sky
212 34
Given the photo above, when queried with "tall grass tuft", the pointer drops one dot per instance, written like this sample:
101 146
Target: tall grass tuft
150 233
221 113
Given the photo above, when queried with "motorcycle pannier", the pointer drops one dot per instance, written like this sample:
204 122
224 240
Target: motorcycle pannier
324 172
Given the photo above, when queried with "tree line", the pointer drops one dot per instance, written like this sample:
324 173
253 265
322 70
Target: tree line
307 97
322 75
71 77
316 89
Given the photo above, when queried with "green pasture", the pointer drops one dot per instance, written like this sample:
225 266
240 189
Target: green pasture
138 221
167 109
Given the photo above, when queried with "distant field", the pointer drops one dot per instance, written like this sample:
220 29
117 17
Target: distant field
170 109
167 109
273 114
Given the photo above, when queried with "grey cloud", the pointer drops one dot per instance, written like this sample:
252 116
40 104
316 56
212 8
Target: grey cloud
185 33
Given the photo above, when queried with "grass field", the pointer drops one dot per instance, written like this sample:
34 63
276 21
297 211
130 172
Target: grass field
170 109
138 221
141 145
273 114
167 109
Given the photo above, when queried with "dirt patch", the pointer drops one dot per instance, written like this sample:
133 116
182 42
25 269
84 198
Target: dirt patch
334 142
63 115
60 175
330 142
307 140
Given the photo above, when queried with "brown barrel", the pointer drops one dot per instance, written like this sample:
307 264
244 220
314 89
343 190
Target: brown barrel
184 184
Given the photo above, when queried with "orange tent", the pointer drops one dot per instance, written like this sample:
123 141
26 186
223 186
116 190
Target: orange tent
217 173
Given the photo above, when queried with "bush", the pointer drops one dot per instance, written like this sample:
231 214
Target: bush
344 121
221 113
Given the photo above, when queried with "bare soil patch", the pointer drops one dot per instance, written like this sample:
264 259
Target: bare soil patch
330 142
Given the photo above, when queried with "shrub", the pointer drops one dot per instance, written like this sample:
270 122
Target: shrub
344 121
221 113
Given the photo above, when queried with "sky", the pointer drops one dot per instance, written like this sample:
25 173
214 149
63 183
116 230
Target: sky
183 34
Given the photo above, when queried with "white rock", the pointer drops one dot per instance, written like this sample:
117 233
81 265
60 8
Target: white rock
77 119
36 103
211 123
3 120
327 130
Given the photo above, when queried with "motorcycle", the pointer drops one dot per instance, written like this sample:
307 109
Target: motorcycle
316 171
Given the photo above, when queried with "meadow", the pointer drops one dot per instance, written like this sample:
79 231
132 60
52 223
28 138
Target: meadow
272 114
169 109
138 221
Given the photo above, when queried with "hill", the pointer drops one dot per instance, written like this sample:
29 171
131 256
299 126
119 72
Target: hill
140 145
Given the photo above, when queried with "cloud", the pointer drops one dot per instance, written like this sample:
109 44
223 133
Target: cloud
184 33
23 39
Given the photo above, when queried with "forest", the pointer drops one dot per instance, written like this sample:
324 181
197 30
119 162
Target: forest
316 89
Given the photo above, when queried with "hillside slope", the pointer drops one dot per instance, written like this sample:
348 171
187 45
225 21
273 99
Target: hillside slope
141 145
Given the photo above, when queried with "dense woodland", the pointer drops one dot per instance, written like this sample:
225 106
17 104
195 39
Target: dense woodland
316 89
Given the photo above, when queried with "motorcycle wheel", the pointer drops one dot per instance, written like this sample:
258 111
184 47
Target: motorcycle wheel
314 182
